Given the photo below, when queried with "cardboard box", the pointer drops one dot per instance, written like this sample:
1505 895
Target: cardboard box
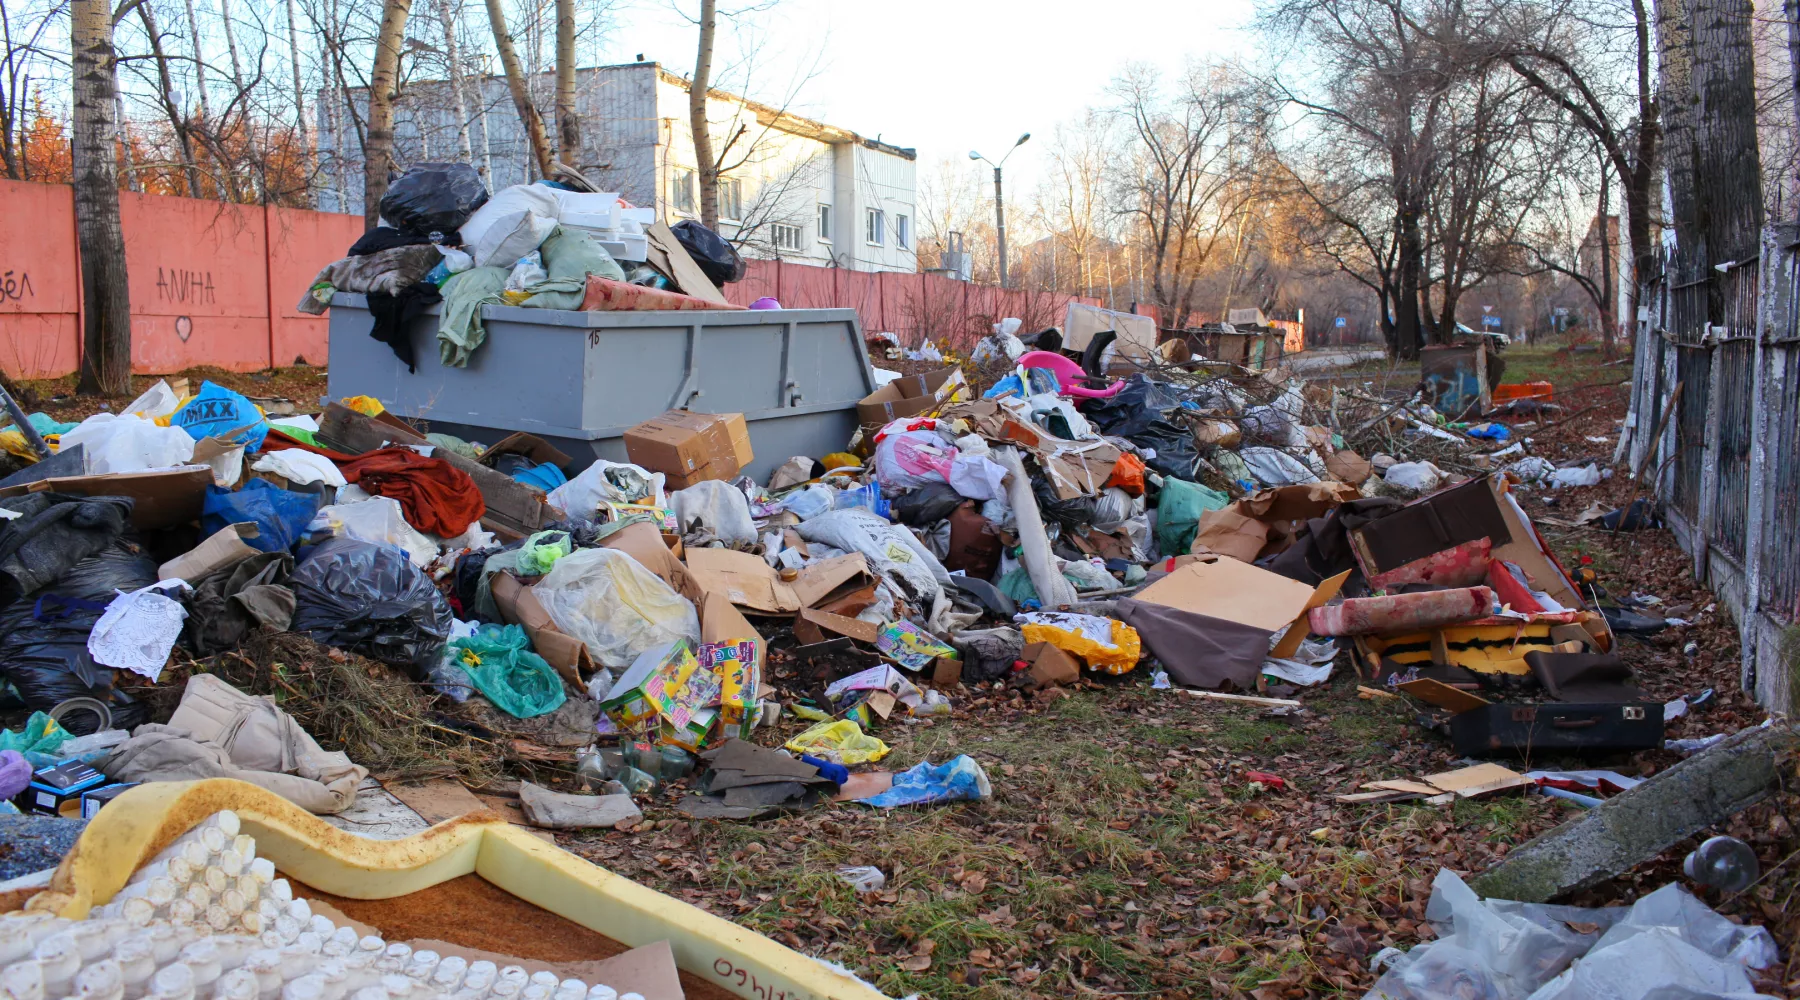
1249 595
688 447
223 548
738 665
531 446
93 800
912 395
163 499
746 580
53 787
1050 665
652 685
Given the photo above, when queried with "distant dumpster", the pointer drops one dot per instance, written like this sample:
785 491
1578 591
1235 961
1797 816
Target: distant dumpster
580 379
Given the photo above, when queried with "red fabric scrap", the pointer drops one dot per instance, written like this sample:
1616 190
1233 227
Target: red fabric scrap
438 498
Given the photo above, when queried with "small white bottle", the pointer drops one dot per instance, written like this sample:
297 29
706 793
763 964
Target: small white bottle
394 961
182 912
448 976
280 890
398 985
321 925
367 953
601 991
422 964
304 988
310 942
202 957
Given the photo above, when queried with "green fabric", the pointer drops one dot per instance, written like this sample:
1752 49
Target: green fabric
40 735
1178 513
450 442
44 423
569 256
1018 586
507 672
459 324
297 433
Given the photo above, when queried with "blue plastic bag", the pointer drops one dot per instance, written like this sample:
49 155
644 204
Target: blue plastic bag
1490 432
281 516
957 778
218 411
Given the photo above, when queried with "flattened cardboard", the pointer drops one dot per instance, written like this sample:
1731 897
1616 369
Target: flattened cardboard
163 499
1249 595
812 626
752 583
1231 533
223 548
519 605
1433 692
666 254
437 800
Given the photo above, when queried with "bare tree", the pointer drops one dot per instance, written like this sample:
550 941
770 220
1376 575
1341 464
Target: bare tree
568 125
1181 192
383 79
702 129
529 118
106 296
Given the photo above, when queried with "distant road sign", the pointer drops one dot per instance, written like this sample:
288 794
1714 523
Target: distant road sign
1340 322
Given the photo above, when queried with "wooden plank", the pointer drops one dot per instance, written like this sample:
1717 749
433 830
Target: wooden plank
1443 695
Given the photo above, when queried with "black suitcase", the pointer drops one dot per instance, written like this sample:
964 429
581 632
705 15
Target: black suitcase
1557 727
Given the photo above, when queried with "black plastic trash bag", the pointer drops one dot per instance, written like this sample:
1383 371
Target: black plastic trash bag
372 600
1073 514
1142 413
718 259
434 198
43 635
926 505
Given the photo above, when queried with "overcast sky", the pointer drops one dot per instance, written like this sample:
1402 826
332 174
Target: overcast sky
943 76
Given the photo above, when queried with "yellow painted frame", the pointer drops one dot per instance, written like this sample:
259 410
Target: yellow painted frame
142 821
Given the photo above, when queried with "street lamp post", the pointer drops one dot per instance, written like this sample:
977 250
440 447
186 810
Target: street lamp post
1000 201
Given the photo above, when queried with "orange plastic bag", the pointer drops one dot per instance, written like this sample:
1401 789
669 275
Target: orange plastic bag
1128 474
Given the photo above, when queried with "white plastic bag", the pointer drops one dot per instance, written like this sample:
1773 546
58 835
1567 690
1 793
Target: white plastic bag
977 477
1421 476
1531 469
721 509
511 224
1275 468
1587 475
114 443
157 401
607 482
906 460
379 521
526 273
614 606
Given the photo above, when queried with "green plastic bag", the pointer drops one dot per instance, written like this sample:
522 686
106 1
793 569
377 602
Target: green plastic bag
40 735
542 550
501 665
1178 514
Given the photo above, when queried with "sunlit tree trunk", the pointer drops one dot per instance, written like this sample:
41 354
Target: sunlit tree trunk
106 298
707 163
379 151
515 83
568 125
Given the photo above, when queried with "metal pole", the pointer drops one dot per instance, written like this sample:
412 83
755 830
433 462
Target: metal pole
1000 224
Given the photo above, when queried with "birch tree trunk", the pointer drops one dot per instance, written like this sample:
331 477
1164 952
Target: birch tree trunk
707 163
529 118
184 143
568 126
299 91
199 63
106 298
379 152
453 51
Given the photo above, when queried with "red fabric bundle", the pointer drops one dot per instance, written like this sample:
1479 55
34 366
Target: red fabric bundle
438 498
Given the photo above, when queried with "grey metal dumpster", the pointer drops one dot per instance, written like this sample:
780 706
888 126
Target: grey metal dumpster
581 379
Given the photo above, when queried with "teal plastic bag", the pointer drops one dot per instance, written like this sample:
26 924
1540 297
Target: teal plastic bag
41 735
1178 514
218 411
501 665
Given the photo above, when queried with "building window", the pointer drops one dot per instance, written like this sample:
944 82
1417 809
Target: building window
824 223
681 190
731 198
877 228
786 237
902 231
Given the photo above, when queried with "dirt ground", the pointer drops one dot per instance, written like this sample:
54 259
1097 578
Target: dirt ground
1125 852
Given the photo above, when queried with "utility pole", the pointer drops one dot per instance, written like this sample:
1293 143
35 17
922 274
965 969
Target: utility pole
1000 201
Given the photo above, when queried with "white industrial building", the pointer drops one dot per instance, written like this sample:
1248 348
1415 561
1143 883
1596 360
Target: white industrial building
794 188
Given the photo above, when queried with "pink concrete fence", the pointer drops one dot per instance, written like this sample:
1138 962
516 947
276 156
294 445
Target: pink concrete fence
215 284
